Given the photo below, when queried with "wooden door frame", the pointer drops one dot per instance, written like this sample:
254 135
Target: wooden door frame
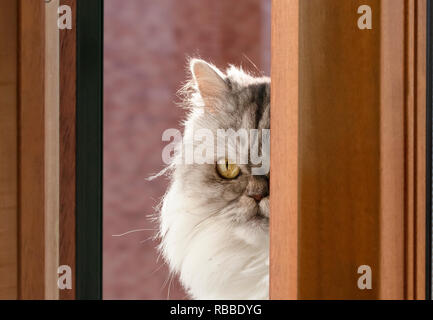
51 182
9 150
31 110
403 210
38 142
396 150
429 152
284 256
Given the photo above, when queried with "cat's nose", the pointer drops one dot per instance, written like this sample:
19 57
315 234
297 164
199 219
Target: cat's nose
257 197
258 188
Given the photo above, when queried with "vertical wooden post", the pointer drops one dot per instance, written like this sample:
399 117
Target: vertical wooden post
359 157
52 148
8 149
421 132
31 232
67 147
392 131
38 150
284 149
29 149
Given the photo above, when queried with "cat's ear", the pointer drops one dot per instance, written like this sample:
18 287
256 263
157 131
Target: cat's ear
209 80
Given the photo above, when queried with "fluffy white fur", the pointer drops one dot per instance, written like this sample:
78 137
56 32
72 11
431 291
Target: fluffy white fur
214 257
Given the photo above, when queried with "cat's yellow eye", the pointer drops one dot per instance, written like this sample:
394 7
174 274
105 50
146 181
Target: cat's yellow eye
228 170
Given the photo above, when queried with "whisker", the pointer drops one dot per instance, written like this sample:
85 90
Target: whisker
145 240
252 63
157 269
165 283
169 286
132 231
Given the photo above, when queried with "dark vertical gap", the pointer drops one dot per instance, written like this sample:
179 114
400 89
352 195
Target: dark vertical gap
89 150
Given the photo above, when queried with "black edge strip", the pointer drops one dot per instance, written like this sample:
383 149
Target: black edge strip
89 149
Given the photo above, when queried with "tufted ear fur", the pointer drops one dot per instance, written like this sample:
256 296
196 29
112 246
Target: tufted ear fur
209 80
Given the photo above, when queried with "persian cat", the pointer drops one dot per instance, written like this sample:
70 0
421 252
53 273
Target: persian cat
214 218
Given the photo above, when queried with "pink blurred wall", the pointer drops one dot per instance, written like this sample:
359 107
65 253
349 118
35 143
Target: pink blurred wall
146 46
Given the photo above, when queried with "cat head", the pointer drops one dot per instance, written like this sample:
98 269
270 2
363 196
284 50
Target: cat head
228 125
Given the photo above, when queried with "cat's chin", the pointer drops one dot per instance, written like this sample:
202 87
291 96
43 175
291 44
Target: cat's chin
259 221
254 231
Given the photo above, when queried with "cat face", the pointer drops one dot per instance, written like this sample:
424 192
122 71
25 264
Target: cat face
229 188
